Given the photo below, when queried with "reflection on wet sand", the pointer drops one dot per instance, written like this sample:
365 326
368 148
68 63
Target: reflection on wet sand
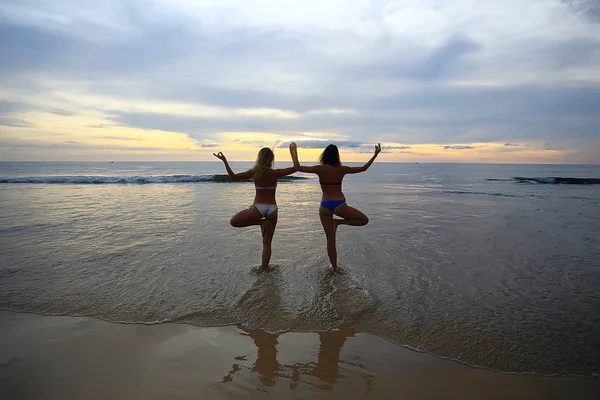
328 368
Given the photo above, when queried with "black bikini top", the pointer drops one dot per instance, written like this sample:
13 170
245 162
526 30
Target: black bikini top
330 183
266 187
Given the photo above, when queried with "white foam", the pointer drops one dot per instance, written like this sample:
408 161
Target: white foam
82 180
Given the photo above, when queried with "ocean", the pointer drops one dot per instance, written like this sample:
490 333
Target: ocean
495 266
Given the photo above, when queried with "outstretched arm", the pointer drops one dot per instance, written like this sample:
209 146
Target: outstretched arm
232 175
355 170
294 152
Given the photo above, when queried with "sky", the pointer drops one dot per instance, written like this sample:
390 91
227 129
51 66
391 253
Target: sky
512 81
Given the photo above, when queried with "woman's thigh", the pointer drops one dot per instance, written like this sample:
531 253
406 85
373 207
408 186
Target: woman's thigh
347 212
246 217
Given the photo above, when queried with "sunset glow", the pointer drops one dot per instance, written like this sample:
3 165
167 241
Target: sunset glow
176 80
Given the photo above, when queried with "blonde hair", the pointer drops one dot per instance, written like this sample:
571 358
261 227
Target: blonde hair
264 163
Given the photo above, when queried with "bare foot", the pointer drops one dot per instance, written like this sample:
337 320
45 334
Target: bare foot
263 268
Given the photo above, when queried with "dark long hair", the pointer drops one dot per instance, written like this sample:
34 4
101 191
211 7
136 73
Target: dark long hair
330 156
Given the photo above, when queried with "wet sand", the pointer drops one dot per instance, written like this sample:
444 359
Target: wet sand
43 357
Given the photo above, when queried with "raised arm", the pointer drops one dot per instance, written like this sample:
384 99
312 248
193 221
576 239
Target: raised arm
355 170
232 175
290 170
294 152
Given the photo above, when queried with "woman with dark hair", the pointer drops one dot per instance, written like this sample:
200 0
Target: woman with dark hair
263 211
331 172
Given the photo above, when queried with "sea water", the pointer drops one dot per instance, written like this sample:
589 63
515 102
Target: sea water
496 266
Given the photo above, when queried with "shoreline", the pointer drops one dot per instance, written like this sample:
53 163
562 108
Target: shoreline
83 357
282 332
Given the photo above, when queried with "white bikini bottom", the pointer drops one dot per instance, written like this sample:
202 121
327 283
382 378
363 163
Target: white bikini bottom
265 209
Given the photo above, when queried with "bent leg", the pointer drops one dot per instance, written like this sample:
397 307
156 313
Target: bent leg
350 215
247 217
268 230
329 228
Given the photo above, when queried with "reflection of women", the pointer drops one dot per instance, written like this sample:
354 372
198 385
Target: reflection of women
326 369
328 365
266 359
264 210
331 172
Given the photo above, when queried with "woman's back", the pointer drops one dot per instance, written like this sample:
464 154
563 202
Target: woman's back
269 179
330 178
330 175
265 188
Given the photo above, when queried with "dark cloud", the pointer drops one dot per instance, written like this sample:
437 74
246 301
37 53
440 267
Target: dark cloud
395 147
321 144
209 145
457 147
515 145
588 8
461 114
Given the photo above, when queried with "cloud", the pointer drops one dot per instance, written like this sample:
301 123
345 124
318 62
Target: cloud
14 122
443 58
588 8
11 111
457 147
395 147
19 144
515 145
210 145
113 137
58 111
321 144
358 70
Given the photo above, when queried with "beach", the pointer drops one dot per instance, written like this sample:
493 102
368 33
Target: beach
46 357
483 273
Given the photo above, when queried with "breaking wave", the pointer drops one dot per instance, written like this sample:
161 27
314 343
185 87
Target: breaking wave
99 180
554 180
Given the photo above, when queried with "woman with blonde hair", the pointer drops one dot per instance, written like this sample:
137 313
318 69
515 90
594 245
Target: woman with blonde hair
331 172
263 211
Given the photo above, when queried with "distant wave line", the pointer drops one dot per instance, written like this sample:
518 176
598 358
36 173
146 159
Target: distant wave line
151 179
553 180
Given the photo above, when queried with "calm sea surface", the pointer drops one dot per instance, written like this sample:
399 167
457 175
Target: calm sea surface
464 261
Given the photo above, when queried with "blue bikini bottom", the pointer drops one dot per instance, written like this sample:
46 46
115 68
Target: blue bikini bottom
332 204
